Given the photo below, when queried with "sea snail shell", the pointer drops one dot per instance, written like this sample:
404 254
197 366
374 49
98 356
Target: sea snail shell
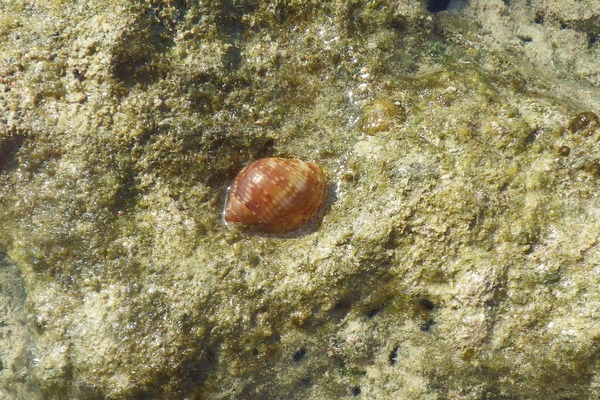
275 194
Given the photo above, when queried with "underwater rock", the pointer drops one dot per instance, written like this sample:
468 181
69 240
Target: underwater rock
457 256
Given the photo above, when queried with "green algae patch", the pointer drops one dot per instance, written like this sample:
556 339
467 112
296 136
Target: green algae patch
456 253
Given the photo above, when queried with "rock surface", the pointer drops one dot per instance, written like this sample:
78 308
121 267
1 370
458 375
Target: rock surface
456 256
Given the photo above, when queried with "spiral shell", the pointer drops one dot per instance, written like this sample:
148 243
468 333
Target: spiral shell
275 194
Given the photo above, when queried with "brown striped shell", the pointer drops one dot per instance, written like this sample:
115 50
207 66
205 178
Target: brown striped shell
275 194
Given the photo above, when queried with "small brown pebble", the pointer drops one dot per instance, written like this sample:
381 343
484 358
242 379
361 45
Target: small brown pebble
584 123
564 151
380 115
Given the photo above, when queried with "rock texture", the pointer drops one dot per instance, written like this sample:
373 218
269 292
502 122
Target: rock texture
457 253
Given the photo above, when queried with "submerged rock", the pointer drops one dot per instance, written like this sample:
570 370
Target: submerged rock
456 256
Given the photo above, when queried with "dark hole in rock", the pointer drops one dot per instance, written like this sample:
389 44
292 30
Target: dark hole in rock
9 147
426 326
539 18
393 357
306 382
340 310
435 6
426 304
373 312
531 136
525 39
232 58
356 390
299 355
211 357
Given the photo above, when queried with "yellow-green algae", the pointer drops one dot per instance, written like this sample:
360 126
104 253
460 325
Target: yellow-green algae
457 256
